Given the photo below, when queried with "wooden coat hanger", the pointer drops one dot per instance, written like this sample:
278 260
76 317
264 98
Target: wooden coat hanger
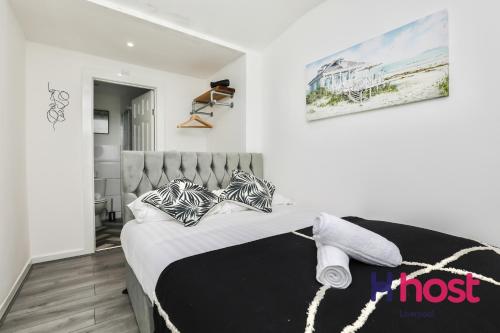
195 117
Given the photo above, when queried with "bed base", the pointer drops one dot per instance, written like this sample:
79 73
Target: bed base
143 309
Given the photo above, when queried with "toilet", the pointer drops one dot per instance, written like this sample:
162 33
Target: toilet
100 202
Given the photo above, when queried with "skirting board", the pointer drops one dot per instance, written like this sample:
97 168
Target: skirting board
60 255
15 288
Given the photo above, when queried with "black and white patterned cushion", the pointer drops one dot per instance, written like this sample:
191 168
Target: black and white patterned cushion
184 200
249 190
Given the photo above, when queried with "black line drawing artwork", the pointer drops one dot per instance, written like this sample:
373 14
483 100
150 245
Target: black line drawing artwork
59 100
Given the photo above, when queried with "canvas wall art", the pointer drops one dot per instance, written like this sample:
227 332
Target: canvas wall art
404 65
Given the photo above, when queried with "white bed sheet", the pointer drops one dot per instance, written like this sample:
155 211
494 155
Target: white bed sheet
152 246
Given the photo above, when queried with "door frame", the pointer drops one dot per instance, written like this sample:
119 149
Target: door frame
88 78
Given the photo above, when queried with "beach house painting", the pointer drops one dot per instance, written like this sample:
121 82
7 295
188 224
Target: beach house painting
404 65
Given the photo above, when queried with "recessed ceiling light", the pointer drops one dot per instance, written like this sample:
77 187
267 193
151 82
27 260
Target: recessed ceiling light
130 44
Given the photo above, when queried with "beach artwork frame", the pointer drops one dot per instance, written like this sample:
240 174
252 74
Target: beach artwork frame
405 65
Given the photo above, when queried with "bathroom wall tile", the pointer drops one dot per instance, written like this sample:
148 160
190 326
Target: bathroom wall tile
107 170
106 153
113 186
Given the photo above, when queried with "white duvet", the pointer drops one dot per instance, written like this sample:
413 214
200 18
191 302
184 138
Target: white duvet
150 247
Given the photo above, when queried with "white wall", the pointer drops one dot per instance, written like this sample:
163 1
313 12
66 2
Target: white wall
57 160
228 134
433 164
14 235
254 115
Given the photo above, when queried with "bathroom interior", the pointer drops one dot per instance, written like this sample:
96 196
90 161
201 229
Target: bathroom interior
123 120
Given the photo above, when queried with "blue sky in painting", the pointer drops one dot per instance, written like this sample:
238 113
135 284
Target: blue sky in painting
405 42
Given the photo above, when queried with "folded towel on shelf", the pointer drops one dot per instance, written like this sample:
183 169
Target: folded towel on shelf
223 83
333 267
357 242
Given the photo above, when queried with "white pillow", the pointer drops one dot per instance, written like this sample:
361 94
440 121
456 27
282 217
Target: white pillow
227 207
144 212
279 200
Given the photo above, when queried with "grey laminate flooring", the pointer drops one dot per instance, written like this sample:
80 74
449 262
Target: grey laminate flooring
81 294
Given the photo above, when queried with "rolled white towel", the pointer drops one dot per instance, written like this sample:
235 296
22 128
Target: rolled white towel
333 267
357 242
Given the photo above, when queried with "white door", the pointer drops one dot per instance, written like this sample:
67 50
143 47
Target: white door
143 122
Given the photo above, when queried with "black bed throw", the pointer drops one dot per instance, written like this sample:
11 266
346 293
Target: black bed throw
268 285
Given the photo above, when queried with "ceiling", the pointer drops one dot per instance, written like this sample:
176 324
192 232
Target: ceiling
84 26
242 24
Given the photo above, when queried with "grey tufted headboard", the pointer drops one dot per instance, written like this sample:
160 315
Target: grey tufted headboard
144 171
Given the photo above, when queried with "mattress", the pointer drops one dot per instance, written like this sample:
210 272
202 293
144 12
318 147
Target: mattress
150 247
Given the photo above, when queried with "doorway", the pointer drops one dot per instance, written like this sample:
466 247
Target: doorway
123 119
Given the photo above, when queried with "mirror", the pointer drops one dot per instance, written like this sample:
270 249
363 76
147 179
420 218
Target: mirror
101 122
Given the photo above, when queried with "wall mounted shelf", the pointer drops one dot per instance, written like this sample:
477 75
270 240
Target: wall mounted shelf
211 98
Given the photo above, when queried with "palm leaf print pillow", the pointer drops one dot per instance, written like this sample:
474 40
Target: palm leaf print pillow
250 191
184 200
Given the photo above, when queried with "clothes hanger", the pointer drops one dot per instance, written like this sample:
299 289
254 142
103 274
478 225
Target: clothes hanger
195 117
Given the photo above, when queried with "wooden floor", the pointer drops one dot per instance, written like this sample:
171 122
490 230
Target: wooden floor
74 295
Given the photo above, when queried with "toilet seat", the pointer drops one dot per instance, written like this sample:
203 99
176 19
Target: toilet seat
98 201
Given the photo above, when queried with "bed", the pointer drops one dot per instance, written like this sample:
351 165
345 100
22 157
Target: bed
255 272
